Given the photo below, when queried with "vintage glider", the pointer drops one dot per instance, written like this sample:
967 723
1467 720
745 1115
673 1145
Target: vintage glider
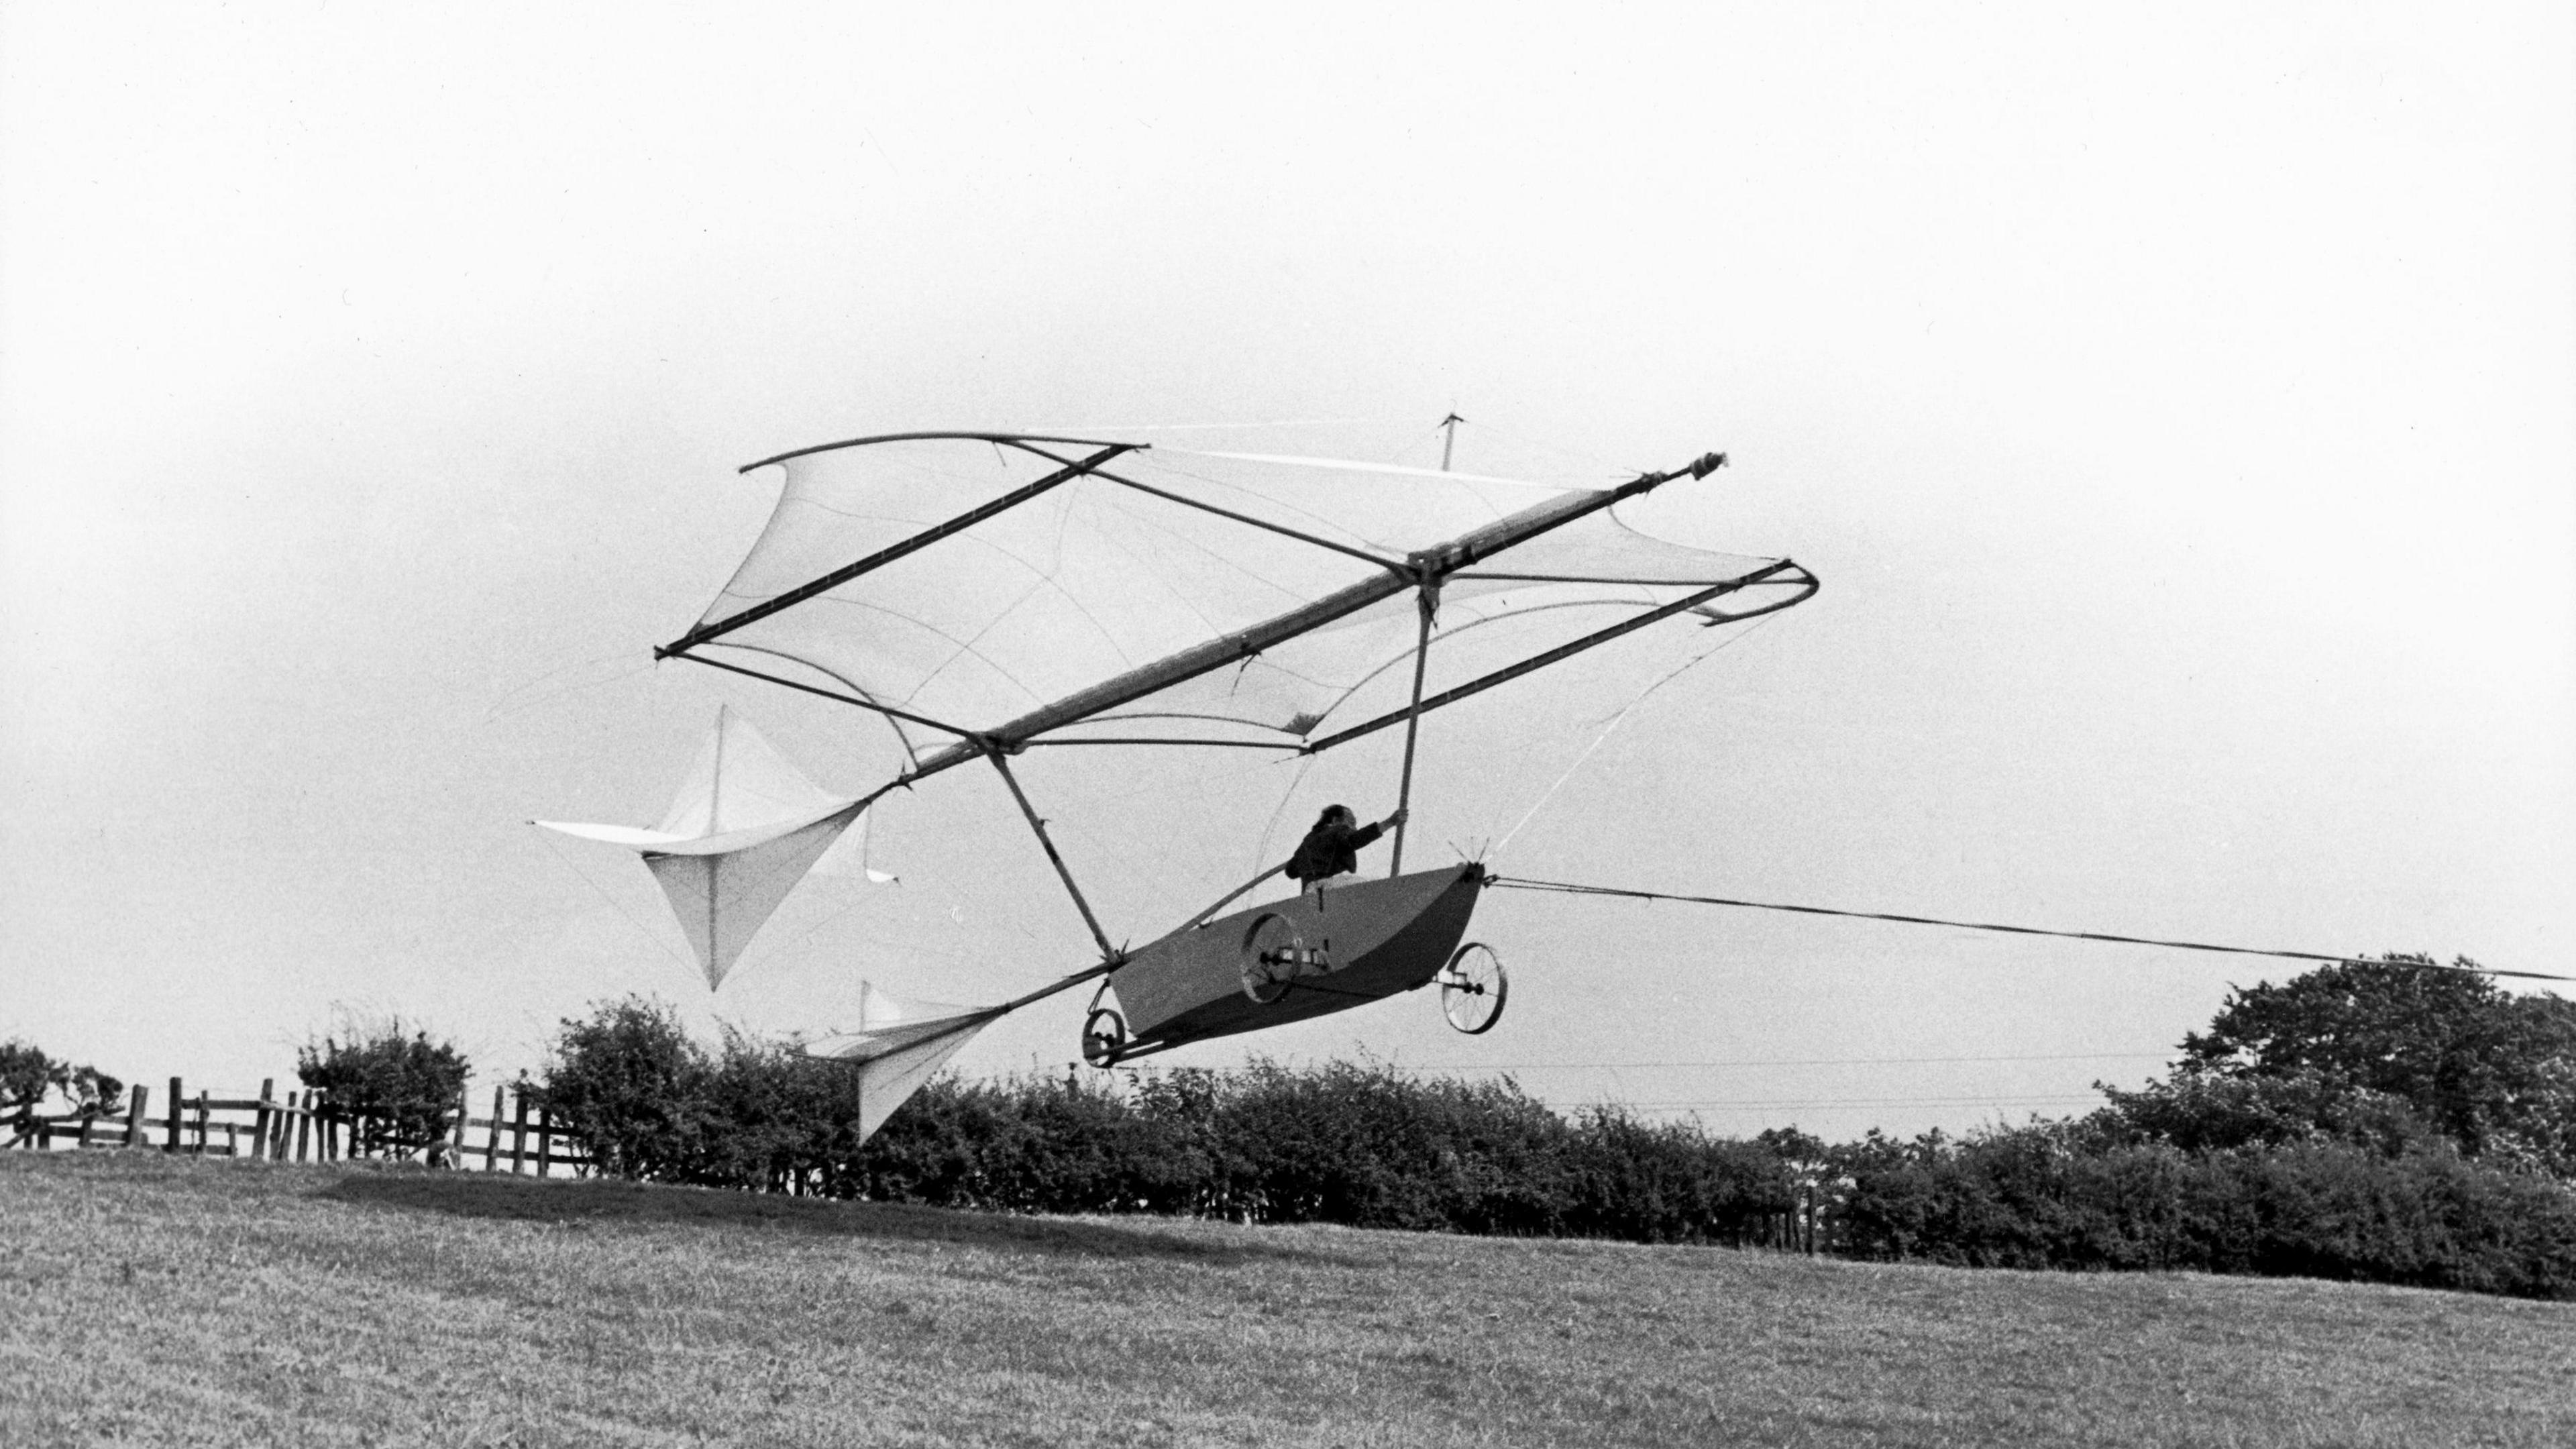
984 594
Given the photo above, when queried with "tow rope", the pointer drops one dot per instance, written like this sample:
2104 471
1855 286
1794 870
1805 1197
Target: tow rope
1572 889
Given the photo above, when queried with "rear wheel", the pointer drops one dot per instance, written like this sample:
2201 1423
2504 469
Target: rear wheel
1472 988
1104 1036
1273 956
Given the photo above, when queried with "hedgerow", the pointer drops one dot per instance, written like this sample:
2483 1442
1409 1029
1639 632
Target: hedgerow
2284 1173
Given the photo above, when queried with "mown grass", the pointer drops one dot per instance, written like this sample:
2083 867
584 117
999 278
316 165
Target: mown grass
155 1300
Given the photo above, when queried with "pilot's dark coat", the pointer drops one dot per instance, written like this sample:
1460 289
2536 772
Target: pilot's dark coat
1331 848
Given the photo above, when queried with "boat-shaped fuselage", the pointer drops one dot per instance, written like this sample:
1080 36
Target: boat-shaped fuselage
1319 951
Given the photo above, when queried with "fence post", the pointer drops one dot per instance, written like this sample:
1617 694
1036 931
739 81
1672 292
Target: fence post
259 1120
304 1126
178 1109
545 1141
456 1137
492 1133
135 1106
519 1132
202 1117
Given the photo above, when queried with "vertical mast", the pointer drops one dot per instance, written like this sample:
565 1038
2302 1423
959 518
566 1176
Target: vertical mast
1428 600
1423 645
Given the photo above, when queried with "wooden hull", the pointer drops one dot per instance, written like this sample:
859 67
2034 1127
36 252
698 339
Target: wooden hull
1354 944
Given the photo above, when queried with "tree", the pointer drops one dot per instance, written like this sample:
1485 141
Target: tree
2384 1051
395 1089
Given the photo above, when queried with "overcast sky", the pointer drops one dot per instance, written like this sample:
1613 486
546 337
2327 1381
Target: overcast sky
2175 401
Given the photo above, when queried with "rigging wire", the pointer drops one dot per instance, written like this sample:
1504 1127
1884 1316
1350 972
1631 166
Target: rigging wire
801 945
1576 889
1219 427
1261 848
1615 721
656 937
1748 1104
597 672
1523 440
1798 1062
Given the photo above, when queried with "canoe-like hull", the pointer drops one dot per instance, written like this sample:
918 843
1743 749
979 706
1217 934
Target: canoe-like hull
1309 955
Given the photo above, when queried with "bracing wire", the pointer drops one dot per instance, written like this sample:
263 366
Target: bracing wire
554 684
1771 1062
1110 428
1615 721
1572 888
1261 848
1806 1104
659 943
797 947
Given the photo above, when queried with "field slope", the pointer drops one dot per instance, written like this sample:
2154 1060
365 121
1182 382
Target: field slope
155 1300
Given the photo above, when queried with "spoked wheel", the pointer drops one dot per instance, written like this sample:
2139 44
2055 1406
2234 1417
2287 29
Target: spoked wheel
1273 956
1104 1036
1472 988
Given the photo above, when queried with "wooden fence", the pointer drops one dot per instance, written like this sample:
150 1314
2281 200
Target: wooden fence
301 1127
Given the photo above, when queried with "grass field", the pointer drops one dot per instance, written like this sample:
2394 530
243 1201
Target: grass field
155 1300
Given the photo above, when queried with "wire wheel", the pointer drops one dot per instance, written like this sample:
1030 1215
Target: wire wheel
1273 956
1104 1036
1472 988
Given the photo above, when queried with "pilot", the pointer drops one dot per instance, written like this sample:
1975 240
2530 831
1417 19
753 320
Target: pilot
1333 847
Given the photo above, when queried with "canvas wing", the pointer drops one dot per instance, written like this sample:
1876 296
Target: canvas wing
983 589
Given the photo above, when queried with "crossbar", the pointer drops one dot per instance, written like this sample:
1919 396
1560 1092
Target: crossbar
892 552
1189 663
1562 651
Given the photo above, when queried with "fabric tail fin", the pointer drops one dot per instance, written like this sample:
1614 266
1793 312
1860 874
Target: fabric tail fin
898 1047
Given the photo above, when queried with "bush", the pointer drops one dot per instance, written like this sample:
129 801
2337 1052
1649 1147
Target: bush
633 1090
1035 1144
1371 1147
2052 1195
646 1102
1358 1144
394 1089
27 1075
1670 1182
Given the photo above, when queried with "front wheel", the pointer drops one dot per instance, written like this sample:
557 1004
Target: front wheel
1274 955
1472 988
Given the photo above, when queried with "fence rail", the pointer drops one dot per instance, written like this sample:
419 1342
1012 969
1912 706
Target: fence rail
519 1137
